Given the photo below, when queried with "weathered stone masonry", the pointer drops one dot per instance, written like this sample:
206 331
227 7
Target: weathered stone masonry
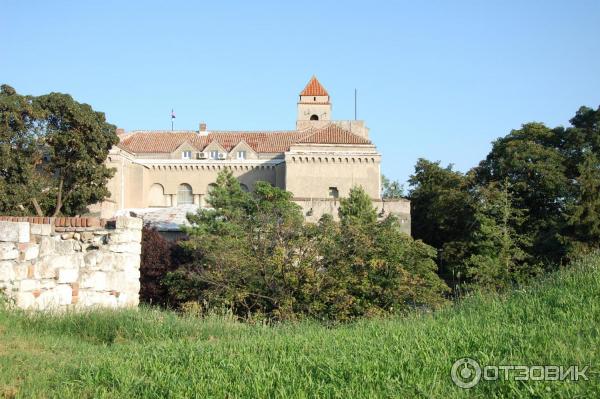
63 263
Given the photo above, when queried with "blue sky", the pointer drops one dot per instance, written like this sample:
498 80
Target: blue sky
436 79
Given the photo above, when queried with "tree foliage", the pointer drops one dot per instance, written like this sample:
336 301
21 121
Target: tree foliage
391 189
534 202
443 207
53 151
253 253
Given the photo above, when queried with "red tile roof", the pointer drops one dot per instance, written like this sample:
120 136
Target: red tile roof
314 88
333 134
139 142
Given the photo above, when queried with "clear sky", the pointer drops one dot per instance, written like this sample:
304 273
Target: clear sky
436 79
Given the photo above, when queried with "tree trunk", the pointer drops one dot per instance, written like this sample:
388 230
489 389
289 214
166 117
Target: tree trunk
37 207
59 199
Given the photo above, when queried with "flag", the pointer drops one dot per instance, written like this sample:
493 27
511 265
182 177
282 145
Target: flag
172 114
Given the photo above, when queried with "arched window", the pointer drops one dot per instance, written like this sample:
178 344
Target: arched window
244 187
156 195
184 194
314 117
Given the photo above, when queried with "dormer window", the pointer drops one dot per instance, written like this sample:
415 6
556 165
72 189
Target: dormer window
214 154
186 155
241 155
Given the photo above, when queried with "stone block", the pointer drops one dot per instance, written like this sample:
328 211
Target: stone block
64 247
47 299
41 229
92 258
95 280
125 236
64 294
67 275
72 261
8 251
125 222
31 252
7 272
131 248
22 271
14 231
25 300
46 246
28 285
93 298
126 261
48 284
87 236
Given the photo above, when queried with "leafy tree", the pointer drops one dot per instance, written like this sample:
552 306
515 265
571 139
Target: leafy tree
19 151
53 153
156 261
357 208
77 140
391 189
254 254
531 161
584 214
442 211
499 254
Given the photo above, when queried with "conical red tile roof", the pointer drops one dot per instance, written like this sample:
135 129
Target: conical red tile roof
314 88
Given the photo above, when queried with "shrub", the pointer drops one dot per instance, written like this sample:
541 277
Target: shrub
156 261
255 255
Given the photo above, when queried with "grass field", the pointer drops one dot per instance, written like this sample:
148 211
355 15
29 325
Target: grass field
156 354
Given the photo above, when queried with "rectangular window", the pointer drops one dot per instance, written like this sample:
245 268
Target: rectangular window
241 155
186 155
333 192
214 155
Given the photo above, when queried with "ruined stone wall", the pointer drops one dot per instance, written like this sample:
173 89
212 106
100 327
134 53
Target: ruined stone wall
314 208
63 263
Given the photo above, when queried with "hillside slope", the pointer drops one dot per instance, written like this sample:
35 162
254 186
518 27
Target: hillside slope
157 354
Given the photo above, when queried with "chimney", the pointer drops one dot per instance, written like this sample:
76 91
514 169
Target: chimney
202 129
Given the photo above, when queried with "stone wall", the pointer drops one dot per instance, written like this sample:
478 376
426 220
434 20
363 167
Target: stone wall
63 263
314 208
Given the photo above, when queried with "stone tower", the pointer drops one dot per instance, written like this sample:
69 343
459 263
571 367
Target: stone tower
314 105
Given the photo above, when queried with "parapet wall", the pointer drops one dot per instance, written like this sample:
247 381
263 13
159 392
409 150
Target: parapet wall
314 208
63 263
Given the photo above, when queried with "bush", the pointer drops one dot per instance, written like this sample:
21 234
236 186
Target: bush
156 261
255 255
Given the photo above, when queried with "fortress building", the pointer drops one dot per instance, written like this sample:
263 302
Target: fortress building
319 162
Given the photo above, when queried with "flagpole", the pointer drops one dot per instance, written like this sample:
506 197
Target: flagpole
172 119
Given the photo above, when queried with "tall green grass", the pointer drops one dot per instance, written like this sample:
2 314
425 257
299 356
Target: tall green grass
156 354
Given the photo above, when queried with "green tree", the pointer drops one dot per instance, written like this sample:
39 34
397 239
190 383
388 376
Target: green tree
499 254
254 254
584 214
531 161
443 206
357 208
19 152
391 189
77 140
52 154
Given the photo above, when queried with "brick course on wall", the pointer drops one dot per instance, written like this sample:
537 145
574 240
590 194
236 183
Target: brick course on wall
63 263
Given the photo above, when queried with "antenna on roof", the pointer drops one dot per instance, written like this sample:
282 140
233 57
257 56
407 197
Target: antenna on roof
172 118
355 95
